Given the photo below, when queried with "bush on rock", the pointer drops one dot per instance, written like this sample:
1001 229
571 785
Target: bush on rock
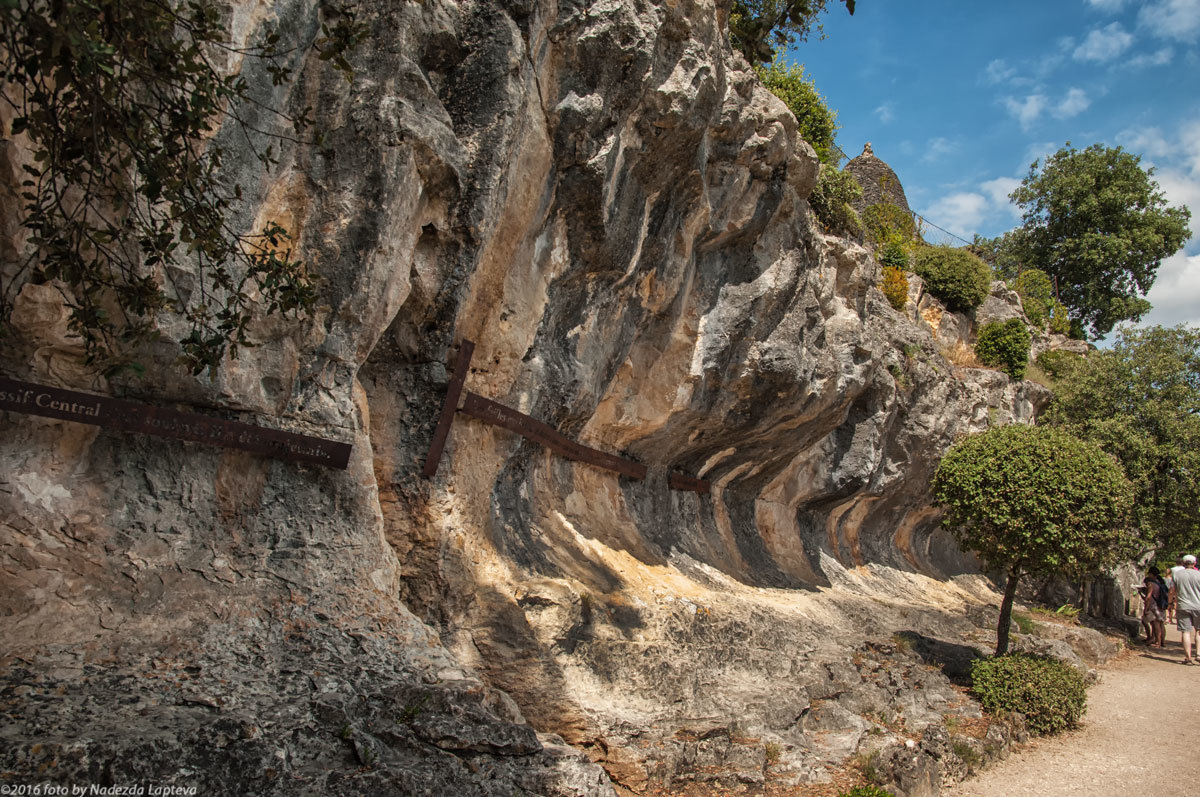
955 276
1005 345
1050 693
832 200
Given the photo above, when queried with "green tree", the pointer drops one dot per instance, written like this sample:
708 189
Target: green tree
1096 220
817 123
758 28
998 254
1034 500
1140 400
119 101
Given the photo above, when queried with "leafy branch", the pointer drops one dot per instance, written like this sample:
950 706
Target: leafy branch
761 28
119 101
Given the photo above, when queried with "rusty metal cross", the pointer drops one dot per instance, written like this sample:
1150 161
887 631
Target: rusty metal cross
491 412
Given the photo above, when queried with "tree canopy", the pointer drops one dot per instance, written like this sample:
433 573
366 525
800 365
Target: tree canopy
817 122
1034 500
760 28
1096 221
1140 401
125 198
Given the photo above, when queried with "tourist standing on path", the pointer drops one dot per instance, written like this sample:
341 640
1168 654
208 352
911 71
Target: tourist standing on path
1169 583
1153 616
1187 592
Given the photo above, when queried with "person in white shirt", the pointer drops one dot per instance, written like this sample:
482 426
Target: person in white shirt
1187 594
1171 601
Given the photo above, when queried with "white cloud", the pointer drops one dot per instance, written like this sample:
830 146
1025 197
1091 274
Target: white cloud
1107 6
1074 103
1027 110
1157 58
1172 19
938 148
966 212
1189 135
1103 44
1181 188
998 190
886 113
1002 210
960 213
1148 142
999 71
1176 292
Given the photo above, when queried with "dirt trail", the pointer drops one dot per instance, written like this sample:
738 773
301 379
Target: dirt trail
1147 696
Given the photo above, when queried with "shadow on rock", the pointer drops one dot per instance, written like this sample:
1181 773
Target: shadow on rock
954 660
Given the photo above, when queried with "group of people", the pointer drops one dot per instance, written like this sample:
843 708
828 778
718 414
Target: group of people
1175 598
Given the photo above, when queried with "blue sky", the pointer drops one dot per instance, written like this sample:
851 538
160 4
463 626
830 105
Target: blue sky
960 97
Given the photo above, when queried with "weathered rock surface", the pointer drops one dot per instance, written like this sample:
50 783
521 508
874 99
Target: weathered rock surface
605 201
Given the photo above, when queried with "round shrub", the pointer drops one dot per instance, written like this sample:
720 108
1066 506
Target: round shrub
1037 295
831 200
895 286
1050 693
1005 345
955 276
894 255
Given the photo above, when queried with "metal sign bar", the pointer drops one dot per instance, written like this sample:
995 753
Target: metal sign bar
131 416
489 411
678 481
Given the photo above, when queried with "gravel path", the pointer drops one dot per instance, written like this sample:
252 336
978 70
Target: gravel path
1147 695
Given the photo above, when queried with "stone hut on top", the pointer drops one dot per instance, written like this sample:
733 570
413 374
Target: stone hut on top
879 183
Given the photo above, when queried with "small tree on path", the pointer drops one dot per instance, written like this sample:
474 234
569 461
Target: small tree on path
1033 500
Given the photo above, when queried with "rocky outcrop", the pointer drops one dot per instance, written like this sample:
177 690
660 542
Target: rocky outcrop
603 198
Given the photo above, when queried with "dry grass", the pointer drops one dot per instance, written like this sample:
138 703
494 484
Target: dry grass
962 356
1035 374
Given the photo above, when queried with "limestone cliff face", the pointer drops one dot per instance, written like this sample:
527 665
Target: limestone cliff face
605 201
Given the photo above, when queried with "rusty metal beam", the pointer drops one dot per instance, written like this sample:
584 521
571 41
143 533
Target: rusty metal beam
132 416
487 410
678 481
449 407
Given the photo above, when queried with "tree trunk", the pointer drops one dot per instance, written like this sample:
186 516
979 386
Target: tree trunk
1010 592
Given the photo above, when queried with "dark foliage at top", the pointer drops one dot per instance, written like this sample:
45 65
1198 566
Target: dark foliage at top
761 28
119 101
